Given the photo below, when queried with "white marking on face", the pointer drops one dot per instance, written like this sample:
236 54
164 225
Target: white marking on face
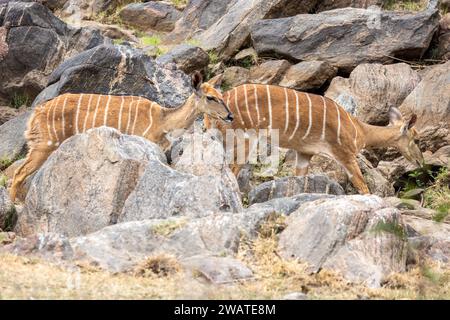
310 117
297 114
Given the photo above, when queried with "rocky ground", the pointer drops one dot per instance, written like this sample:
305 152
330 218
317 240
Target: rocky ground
112 216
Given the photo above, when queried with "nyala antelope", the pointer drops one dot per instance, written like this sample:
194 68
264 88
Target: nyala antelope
311 124
64 116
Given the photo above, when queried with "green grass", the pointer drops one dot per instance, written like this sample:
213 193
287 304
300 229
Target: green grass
151 40
193 42
5 162
166 228
3 181
405 5
213 57
179 3
390 227
18 100
437 197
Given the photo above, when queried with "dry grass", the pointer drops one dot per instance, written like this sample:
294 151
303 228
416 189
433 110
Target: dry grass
160 277
405 5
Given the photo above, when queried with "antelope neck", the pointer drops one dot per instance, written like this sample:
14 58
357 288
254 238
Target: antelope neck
181 117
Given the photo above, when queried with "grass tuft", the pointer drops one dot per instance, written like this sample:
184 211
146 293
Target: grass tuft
161 265
166 228
18 100
390 227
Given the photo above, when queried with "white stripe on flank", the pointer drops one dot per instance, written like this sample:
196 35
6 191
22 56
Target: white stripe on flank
298 116
105 117
237 106
49 127
322 137
256 102
356 131
119 125
136 115
78 113
151 120
286 98
63 122
96 109
129 115
54 124
246 105
310 117
269 102
87 113
339 123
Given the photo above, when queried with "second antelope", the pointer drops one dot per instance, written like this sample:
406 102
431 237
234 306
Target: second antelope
56 120
311 124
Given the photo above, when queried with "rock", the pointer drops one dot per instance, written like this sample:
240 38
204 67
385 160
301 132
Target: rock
295 296
12 139
269 72
372 89
7 210
430 100
119 70
7 113
231 31
347 37
235 76
35 32
326 5
111 31
199 184
198 15
358 236
3 43
290 186
376 181
187 58
74 11
100 167
122 246
287 205
443 48
248 53
431 237
308 75
152 15
218 270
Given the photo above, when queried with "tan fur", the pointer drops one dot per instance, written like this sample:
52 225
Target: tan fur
60 118
333 131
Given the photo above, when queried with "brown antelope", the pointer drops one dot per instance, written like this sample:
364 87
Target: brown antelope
311 124
58 119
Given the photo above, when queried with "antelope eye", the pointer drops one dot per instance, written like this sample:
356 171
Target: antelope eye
210 98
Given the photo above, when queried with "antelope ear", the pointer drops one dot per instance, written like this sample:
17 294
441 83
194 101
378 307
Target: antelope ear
216 81
412 121
395 116
197 80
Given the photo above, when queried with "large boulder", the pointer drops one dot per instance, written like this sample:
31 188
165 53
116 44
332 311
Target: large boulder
38 42
326 5
188 58
347 37
7 209
430 100
443 48
199 184
269 72
372 89
290 186
3 43
151 15
119 70
83 185
358 236
308 75
232 30
12 139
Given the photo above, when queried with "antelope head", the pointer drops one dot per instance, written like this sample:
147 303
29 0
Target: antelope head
209 100
407 134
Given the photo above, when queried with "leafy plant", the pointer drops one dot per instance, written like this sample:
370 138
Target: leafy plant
437 196
213 57
18 100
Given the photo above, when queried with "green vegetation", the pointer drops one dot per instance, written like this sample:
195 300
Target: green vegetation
3 181
5 162
153 41
193 42
179 4
405 5
213 57
390 227
437 196
166 228
18 100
